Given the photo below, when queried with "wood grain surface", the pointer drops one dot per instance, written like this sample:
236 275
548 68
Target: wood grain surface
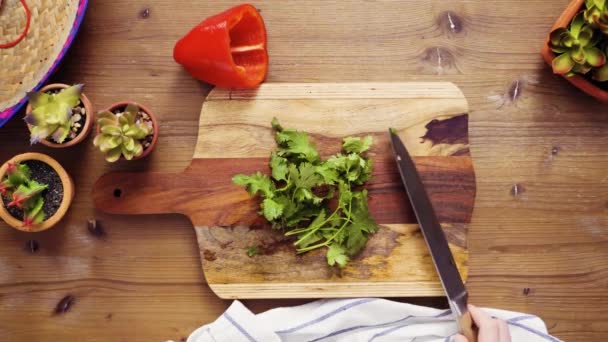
539 233
235 136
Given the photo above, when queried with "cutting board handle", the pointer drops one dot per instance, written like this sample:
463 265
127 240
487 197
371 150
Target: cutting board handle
204 192
139 193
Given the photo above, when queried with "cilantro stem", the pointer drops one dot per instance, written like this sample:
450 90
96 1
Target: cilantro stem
283 188
313 230
293 195
296 231
310 248
329 240
287 185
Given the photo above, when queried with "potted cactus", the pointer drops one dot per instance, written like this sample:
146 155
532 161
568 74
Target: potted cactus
126 130
577 46
36 192
59 115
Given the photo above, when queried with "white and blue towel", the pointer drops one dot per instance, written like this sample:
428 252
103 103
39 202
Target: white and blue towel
354 320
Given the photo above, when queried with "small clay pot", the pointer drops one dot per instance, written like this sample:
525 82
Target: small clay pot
122 104
68 193
88 123
577 80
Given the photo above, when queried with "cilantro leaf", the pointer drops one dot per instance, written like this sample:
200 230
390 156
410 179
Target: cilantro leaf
360 213
276 125
305 176
278 165
340 235
362 224
327 172
271 209
345 195
356 239
336 255
294 144
354 162
366 172
289 207
303 214
356 144
256 183
353 167
306 195
337 162
252 251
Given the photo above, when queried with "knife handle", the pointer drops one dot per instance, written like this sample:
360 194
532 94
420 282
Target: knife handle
465 322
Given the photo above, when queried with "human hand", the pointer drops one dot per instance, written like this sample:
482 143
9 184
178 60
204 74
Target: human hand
490 329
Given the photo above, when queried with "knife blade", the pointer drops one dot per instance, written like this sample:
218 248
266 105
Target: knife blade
434 236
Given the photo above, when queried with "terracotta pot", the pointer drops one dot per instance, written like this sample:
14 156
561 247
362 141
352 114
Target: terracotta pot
577 80
145 109
88 123
68 193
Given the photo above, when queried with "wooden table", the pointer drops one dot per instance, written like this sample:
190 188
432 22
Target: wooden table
539 238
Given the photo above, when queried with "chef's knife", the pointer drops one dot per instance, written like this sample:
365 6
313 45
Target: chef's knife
434 237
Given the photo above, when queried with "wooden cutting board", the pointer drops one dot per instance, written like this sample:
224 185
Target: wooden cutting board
235 137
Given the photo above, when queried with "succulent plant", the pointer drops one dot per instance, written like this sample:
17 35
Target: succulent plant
26 193
601 73
16 174
576 48
596 14
51 114
121 133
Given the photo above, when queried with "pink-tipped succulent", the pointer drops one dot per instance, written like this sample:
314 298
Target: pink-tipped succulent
17 200
16 174
34 214
5 187
11 167
25 193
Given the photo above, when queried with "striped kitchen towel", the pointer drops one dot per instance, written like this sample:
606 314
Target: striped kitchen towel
353 320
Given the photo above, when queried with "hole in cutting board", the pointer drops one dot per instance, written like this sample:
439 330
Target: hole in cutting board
117 193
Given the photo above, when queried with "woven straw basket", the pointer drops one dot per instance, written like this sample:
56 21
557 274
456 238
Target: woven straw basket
26 66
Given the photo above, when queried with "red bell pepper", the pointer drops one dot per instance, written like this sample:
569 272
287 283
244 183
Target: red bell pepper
227 49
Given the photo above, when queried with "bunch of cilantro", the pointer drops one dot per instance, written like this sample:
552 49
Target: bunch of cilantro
296 197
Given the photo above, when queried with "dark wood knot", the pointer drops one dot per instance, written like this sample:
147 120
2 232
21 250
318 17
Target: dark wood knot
450 23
